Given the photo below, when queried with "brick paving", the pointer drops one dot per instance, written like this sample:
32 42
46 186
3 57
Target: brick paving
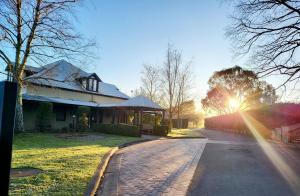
160 167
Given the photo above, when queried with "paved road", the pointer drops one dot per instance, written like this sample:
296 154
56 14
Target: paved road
153 168
233 164
225 164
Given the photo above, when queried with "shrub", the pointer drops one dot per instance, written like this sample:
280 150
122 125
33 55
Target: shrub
158 119
130 118
83 113
161 130
118 129
44 115
64 129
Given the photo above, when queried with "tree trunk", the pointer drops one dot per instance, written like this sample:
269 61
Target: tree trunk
19 124
178 123
170 120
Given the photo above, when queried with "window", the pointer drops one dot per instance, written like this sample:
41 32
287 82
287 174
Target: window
90 84
60 114
95 85
84 83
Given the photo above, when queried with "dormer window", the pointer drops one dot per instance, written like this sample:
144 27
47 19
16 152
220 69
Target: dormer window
83 82
95 85
90 84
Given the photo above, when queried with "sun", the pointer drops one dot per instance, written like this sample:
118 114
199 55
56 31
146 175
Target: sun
234 104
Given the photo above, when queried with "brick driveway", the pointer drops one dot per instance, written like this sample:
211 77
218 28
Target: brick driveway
160 167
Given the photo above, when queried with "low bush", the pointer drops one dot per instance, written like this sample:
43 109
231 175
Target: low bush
161 130
44 115
83 113
118 129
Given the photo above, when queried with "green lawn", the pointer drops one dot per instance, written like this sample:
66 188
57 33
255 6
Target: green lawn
184 133
67 163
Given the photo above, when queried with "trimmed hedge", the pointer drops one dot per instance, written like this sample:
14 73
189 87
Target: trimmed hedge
118 129
161 130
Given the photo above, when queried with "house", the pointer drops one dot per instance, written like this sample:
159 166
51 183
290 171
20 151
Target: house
68 87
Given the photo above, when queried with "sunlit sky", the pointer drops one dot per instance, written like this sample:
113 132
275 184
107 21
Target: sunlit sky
130 33
133 32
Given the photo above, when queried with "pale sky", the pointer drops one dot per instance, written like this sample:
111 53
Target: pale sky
133 32
130 33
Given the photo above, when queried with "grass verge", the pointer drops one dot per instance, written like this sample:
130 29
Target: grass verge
184 133
68 163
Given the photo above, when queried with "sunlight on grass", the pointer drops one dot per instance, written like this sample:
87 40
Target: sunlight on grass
67 164
184 133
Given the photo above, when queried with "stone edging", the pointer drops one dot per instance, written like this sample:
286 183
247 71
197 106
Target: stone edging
99 173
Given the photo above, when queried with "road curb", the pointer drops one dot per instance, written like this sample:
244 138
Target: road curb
133 143
100 171
186 137
95 181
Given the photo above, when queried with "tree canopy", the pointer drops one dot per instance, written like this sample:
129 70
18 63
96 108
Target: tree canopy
235 89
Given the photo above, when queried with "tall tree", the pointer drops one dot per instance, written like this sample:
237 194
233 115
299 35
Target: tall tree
188 111
150 82
36 31
239 86
184 86
170 76
215 102
175 78
270 32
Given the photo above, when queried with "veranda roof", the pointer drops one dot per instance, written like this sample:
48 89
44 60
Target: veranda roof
135 102
58 100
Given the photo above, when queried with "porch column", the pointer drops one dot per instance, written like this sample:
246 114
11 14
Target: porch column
141 120
117 117
137 114
163 116
113 117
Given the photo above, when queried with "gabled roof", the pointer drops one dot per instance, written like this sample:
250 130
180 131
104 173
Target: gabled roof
62 74
28 68
32 69
90 75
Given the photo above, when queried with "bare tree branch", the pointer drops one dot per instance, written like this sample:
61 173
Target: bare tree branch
38 31
269 31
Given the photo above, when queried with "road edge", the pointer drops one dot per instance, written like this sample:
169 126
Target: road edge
98 176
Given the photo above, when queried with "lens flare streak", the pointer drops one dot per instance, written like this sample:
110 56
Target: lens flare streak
289 175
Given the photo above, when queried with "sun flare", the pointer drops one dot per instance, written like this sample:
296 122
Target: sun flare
234 104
